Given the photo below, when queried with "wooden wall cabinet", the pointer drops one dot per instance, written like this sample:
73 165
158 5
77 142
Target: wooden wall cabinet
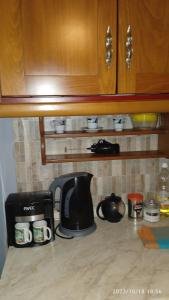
59 47
149 27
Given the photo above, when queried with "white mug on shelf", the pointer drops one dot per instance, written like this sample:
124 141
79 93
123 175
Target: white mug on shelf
92 122
118 122
60 128
59 125
22 233
41 232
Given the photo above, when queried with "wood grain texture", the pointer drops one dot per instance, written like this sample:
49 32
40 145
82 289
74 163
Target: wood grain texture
96 157
149 71
56 47
100 133
152 82
83 109
163 139
60 37
86 99
42 140
11 52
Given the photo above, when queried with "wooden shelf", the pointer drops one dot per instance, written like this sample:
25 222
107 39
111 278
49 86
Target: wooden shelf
73 134
61 158
163 144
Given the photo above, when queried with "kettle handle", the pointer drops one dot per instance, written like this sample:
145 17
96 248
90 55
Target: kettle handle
59 183
97 211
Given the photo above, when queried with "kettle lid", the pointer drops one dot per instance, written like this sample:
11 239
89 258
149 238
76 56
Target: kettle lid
75 174
113 198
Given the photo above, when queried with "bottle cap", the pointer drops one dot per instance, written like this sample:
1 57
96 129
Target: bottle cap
135 197
164 165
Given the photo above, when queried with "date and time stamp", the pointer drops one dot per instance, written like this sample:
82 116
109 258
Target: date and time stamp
134 291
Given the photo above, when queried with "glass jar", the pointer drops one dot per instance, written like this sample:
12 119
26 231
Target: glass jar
151 210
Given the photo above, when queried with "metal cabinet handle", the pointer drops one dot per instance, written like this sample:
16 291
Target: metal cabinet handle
129 49
108 44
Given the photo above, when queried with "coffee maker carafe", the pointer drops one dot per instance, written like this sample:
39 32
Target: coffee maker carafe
76 207
29 219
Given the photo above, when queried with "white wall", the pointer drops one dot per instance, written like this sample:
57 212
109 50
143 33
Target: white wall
7 179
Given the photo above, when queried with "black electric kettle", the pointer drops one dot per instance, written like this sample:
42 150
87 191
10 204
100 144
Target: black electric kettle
76 207
113 209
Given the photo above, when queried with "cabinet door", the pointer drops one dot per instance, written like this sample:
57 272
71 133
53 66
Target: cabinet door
147 22
57 47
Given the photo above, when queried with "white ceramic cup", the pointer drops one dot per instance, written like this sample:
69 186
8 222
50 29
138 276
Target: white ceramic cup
41 232
59 125
118 122
60 128
118 126
22 233
92 122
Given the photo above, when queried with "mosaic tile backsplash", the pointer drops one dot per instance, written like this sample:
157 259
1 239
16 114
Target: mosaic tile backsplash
118 176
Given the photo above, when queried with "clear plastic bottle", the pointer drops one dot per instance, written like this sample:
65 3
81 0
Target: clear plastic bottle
163 189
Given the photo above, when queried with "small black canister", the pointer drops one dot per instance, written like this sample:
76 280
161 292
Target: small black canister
135 206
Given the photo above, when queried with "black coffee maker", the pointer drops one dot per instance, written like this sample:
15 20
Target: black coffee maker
76 207
26 208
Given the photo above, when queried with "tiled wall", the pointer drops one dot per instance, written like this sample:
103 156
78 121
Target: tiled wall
118 176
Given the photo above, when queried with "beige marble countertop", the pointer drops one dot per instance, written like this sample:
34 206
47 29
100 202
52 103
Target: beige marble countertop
109 264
